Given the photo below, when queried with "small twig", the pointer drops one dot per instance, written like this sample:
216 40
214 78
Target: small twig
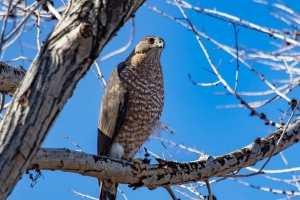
152 154
99 75
123 194
53 10
16 59
180 145
74 143
192 190
168 188
168 151
241 175
23 21
187 196
118 51
275 191
203 84
240 22
237 59
78 194
282 134
38 29
4 25
208 189
276 171
287 181
292 173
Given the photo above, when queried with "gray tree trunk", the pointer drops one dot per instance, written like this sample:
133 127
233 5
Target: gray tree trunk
85 28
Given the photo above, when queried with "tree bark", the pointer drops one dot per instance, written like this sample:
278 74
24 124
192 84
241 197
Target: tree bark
167 172
85 28
10 77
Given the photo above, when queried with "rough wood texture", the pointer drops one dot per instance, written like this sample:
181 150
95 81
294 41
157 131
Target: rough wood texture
66 55
10 77
167 172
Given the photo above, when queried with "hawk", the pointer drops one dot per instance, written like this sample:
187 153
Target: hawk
131 106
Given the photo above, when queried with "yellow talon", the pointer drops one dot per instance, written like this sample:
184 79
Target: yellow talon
137 161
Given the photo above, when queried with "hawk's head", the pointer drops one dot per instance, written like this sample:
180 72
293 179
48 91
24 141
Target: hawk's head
150 43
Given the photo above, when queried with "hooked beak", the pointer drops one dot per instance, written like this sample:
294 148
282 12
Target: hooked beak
160 43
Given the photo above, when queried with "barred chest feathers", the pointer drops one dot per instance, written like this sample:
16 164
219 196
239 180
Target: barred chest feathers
144 81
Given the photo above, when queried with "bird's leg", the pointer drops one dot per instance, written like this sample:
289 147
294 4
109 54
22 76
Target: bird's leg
136 160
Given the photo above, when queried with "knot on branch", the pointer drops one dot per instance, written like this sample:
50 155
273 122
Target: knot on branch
85 29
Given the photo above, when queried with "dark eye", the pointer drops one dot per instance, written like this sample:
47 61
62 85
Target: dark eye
150 40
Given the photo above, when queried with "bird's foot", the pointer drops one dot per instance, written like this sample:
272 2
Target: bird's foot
136 160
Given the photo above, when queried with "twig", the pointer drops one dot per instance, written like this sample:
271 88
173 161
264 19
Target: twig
4 25
118 51
253 111
23 21
168 151
170 191
288 166
187 196
277 171
227 49
192 190
235 20
123 194
180 145
267 189
237 59
53 10
290 182
38 29
99 75
203 84
18 58
78 194
208 189
74 143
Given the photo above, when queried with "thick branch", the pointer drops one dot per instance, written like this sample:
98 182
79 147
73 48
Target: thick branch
10 77
168 173
66 55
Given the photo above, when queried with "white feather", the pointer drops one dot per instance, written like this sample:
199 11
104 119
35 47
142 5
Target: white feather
116 151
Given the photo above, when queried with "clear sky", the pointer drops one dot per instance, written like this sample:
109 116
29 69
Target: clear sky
190 110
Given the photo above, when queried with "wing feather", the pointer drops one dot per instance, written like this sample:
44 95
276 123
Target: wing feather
112 112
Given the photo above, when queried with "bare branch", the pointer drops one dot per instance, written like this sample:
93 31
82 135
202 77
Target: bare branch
168 188
281 136
208 189
67 137
153 176
118 51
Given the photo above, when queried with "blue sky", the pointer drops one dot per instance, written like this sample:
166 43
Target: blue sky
190 110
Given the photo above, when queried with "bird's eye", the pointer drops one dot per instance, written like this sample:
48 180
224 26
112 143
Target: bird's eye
150 40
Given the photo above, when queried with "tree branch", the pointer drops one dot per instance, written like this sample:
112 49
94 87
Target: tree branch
168 172
10 77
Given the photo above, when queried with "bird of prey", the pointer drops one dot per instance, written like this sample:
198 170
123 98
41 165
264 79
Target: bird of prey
131 106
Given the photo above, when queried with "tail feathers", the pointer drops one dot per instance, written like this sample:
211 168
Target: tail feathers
108 190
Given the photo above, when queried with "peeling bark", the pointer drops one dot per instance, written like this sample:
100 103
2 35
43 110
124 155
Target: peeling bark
167 172
85 28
